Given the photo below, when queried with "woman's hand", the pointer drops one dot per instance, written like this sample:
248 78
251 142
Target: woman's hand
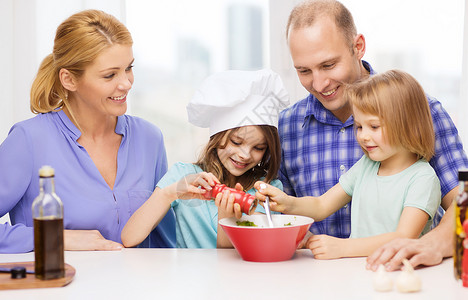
279 201
193 186
88 240
227 208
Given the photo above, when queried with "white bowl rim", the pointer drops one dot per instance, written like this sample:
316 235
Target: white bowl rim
261 221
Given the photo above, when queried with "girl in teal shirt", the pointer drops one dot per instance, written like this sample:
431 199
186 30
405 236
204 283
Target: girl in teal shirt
241 110
395 191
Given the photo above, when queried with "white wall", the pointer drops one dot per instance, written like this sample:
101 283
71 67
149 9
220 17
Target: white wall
463 111
374 21
28 28
17 55
280 60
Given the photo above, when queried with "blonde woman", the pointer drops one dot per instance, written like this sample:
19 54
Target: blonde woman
106 163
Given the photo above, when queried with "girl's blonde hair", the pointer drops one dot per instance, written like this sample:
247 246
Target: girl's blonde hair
78 41
268 166
401 105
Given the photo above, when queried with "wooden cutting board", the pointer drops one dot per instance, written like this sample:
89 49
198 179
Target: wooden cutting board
31 282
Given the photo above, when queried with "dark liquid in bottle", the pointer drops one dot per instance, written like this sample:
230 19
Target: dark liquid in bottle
48 248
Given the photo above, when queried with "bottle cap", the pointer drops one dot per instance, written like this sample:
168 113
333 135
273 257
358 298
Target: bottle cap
46 171
464 278
251 204
18 272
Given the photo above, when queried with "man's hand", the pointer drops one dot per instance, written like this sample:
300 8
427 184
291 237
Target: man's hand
417 251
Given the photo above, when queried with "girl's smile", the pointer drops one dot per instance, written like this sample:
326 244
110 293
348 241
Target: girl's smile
238 164
370 148
371 137
243 151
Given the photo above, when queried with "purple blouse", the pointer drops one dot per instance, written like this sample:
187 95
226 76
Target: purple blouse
89 203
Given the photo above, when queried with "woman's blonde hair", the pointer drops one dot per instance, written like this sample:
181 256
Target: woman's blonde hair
78 41
401 105
268 167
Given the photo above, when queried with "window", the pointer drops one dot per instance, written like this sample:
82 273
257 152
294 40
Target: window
177 44
421 37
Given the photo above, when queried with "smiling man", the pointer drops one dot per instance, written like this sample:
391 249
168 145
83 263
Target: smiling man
317 137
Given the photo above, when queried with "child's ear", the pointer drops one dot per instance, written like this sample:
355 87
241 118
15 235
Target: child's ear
68 80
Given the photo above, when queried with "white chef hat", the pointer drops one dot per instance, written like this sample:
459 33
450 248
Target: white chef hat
233 99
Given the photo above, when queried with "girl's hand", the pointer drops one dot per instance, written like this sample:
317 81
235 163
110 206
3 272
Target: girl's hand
227 208
88 240
279 201
194 186
325 246
303 243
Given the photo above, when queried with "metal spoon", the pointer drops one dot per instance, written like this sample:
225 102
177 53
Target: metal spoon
267 207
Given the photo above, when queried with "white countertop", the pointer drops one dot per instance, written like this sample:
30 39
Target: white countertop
222 274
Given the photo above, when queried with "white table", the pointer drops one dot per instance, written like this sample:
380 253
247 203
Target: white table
222 274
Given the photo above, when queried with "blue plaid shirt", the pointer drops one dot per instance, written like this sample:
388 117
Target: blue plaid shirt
317 149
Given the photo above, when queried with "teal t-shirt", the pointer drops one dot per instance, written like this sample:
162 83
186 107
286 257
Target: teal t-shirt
196 219
378 201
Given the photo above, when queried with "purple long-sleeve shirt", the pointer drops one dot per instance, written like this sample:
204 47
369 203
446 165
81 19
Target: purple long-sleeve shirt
89 203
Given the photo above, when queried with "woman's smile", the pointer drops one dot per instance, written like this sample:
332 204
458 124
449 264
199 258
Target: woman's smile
120 99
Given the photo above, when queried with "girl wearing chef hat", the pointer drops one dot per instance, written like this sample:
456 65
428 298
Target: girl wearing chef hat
241 109
395 192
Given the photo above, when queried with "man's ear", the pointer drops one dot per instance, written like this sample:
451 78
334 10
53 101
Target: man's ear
68 80
359 46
